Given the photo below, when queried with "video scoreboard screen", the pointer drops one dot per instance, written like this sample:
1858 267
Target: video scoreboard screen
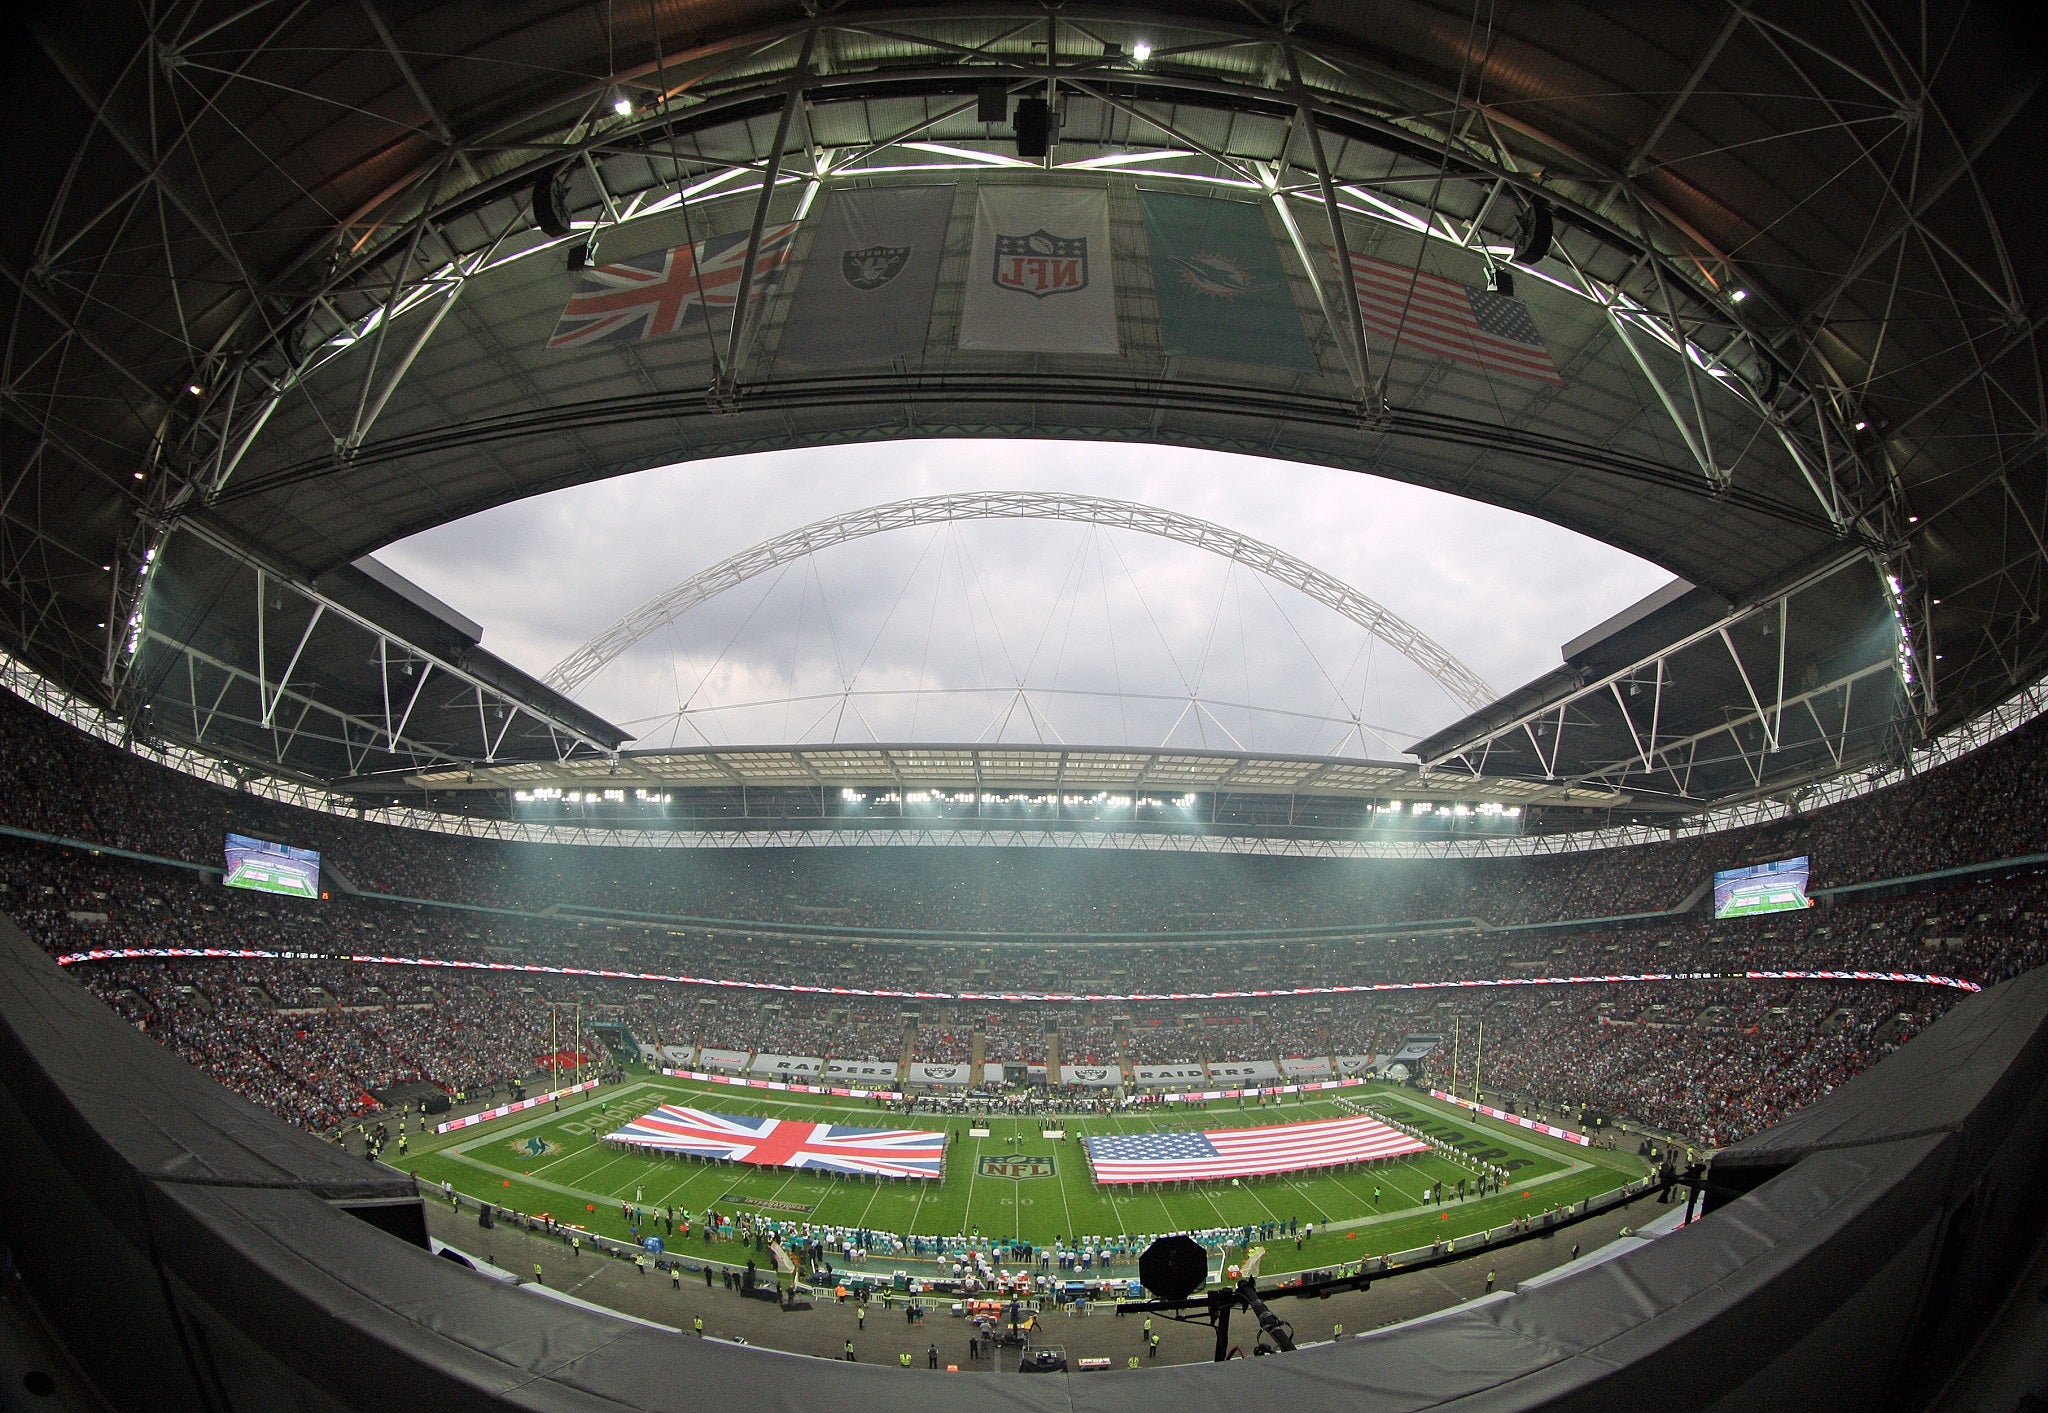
1761 888
271 868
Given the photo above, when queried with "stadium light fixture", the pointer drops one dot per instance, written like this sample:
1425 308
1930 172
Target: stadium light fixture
622 103
1140 52
1738 295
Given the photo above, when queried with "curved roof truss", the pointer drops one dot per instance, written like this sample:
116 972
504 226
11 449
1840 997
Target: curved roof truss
262 257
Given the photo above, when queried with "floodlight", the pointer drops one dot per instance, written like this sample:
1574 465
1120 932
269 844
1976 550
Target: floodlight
1140 52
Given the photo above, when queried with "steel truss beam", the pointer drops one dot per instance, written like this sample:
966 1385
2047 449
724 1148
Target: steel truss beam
284 704
1676 756
343 290
1315 108
2006 717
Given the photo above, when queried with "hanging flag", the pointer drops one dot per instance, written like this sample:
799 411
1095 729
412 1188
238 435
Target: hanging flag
866 291
1222 291
648 296
1460 322
1039 277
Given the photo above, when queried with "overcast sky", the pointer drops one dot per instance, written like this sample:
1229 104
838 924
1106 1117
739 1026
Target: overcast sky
1109 633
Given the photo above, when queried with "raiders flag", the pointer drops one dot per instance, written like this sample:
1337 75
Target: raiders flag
867 286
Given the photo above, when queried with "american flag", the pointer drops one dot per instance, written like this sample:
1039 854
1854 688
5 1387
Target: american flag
1461 322
788 1143
1244 1152
646 296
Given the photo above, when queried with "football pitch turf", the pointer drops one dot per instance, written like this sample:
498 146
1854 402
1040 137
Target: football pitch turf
557 1163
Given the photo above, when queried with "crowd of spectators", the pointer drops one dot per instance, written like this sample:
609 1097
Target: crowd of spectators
316 1037
58 781
945 1037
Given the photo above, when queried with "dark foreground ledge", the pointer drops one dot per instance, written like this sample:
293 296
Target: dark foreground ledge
196 1253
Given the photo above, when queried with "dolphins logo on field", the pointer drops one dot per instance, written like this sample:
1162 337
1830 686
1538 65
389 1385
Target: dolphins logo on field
531 1147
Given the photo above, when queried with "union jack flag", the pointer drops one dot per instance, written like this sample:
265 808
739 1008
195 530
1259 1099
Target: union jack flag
647 296
788 1143
1244 1152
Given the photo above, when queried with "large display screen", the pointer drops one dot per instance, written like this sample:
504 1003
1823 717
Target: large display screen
1761 888
272 868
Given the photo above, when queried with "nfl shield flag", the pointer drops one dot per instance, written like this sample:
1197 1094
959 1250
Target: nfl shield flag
1222 291
649 296
1040 279
865 293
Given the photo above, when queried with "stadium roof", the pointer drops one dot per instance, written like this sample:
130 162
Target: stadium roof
279 294
1012 768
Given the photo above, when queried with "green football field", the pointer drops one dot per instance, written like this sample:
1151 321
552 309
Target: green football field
557 1163
264 878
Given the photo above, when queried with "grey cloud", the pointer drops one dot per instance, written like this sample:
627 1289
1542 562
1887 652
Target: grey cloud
1498 589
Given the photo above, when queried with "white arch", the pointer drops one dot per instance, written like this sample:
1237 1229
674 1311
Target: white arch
1459 681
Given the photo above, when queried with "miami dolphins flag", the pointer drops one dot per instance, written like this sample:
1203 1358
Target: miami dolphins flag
1222 291
1039 279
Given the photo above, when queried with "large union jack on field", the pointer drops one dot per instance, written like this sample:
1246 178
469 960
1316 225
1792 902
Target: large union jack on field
788 1143
646 296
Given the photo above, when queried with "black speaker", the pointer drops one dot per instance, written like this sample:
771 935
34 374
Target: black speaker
551 200
1173 1267
991 102
1034 127
483 1217
1532 241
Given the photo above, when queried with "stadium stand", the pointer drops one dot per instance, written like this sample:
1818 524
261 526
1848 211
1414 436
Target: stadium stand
315 1040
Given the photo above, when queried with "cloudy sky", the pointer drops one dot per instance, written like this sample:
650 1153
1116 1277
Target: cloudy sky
1024 631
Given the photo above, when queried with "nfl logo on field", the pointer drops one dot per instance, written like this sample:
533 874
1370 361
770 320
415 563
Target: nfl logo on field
1017 1165
1040 264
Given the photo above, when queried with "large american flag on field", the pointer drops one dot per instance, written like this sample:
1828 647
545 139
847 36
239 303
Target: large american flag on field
1244 1152
1460 322
646 296
788 1143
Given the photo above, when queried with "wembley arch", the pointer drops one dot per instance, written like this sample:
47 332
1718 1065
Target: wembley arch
1458 681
